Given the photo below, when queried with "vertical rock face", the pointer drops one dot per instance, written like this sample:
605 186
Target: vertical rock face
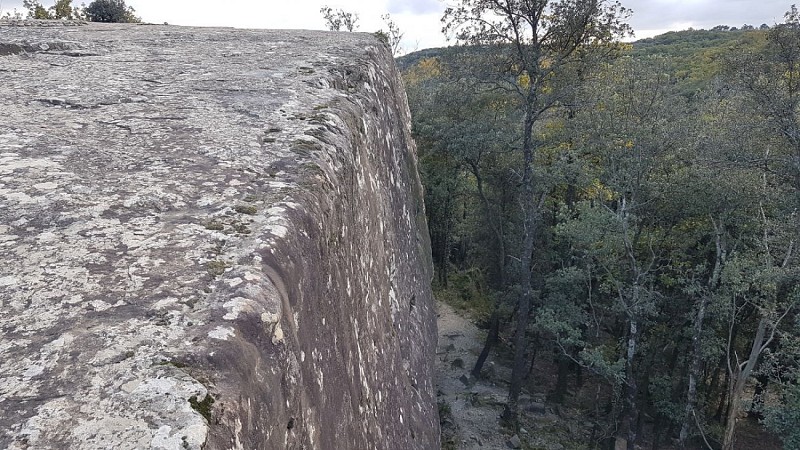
210 238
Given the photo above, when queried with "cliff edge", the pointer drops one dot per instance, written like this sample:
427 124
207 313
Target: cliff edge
210 238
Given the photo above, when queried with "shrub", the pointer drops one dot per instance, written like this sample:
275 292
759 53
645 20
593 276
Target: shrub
111 11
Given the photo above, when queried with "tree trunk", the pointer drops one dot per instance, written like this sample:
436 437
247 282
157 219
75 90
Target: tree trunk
561 382
715 379
631 411
491 340
757 406
497 227
694 371
532 358
723 401
697 332
530 211
741 373
510 415
733 414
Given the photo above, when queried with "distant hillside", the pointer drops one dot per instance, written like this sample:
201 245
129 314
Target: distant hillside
697 55
688 43
694 55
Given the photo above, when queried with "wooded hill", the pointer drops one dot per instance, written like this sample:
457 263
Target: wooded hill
659 184
694 55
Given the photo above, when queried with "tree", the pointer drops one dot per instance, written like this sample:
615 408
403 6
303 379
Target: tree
62 9
724 211
622 230
765 278
339 20
463 132
36 10
114 11
542 46
392 36
784 418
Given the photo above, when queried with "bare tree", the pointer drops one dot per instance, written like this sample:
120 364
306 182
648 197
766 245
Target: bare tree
339 19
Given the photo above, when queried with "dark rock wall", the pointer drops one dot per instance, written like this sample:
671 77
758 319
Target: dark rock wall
211 237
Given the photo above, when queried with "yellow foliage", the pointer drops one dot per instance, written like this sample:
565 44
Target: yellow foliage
624 143
430 66
425 69
624 46
598 191
498 105
555 125
524 80
791 75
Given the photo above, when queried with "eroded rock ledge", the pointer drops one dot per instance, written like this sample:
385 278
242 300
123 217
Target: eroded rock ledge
210 238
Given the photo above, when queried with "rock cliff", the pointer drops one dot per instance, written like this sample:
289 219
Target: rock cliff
210 238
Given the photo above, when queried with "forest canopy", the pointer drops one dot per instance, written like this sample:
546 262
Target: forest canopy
632 208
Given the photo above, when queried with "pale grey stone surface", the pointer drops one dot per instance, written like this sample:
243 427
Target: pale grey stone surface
192 213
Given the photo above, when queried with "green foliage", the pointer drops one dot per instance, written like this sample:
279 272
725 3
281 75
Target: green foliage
784 418
246 209
696 56
202 406
449 436
97 11
115 11
605 361
216 267
62 9
467 292
660 392
669 185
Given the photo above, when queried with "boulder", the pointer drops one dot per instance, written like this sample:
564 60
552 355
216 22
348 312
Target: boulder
211 238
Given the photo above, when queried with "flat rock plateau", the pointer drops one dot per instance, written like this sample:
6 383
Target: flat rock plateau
210 238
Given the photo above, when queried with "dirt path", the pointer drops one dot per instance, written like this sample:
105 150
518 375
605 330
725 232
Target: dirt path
475 408
471 410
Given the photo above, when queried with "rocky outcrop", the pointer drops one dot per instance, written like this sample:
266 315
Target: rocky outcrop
210 238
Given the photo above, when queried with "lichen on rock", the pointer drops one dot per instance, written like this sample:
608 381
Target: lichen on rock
207 234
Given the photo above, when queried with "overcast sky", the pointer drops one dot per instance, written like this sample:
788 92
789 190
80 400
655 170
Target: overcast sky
419 19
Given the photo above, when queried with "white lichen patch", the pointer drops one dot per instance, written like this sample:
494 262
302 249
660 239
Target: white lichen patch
33 371
269 317
21 198
165 303
277 334
236 306
221 333
100 305
11 162
46 186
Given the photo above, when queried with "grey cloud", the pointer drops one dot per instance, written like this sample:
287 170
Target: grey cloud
660 14
6 5
414 6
